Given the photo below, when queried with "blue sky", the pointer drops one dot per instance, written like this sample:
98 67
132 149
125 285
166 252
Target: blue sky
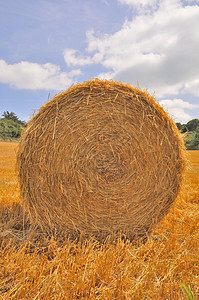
48 45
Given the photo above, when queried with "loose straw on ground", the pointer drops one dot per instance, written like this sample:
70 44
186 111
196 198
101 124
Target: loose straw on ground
99 158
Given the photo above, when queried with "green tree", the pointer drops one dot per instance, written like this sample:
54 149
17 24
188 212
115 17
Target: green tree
12 116
10 126
192 125
179 125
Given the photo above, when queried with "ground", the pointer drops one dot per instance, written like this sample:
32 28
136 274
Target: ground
50 269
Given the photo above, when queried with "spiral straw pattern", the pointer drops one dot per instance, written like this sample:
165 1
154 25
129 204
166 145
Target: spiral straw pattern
101 157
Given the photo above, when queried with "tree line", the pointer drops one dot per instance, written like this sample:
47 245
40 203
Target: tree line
191 131
11 128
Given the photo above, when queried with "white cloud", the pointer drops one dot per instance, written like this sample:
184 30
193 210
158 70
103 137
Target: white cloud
141 4
158 48
177 107
192 86
33 76
136 3
150 4
72 59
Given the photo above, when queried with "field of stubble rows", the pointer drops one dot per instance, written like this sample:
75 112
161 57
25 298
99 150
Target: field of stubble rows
48 269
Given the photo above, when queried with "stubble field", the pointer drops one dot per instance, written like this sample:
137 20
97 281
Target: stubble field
41 267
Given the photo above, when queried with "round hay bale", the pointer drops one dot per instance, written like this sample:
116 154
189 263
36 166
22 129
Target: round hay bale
101 157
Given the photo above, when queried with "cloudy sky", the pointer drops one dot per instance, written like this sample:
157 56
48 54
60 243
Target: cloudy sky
48 45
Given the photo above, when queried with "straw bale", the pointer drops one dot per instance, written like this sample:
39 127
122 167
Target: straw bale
101 157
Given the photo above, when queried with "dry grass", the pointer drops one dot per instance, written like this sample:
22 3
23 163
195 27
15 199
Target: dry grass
8 180
89 270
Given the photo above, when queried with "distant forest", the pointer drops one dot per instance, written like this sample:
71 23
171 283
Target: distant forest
11 128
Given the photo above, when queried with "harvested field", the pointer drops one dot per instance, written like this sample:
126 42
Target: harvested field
46 268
